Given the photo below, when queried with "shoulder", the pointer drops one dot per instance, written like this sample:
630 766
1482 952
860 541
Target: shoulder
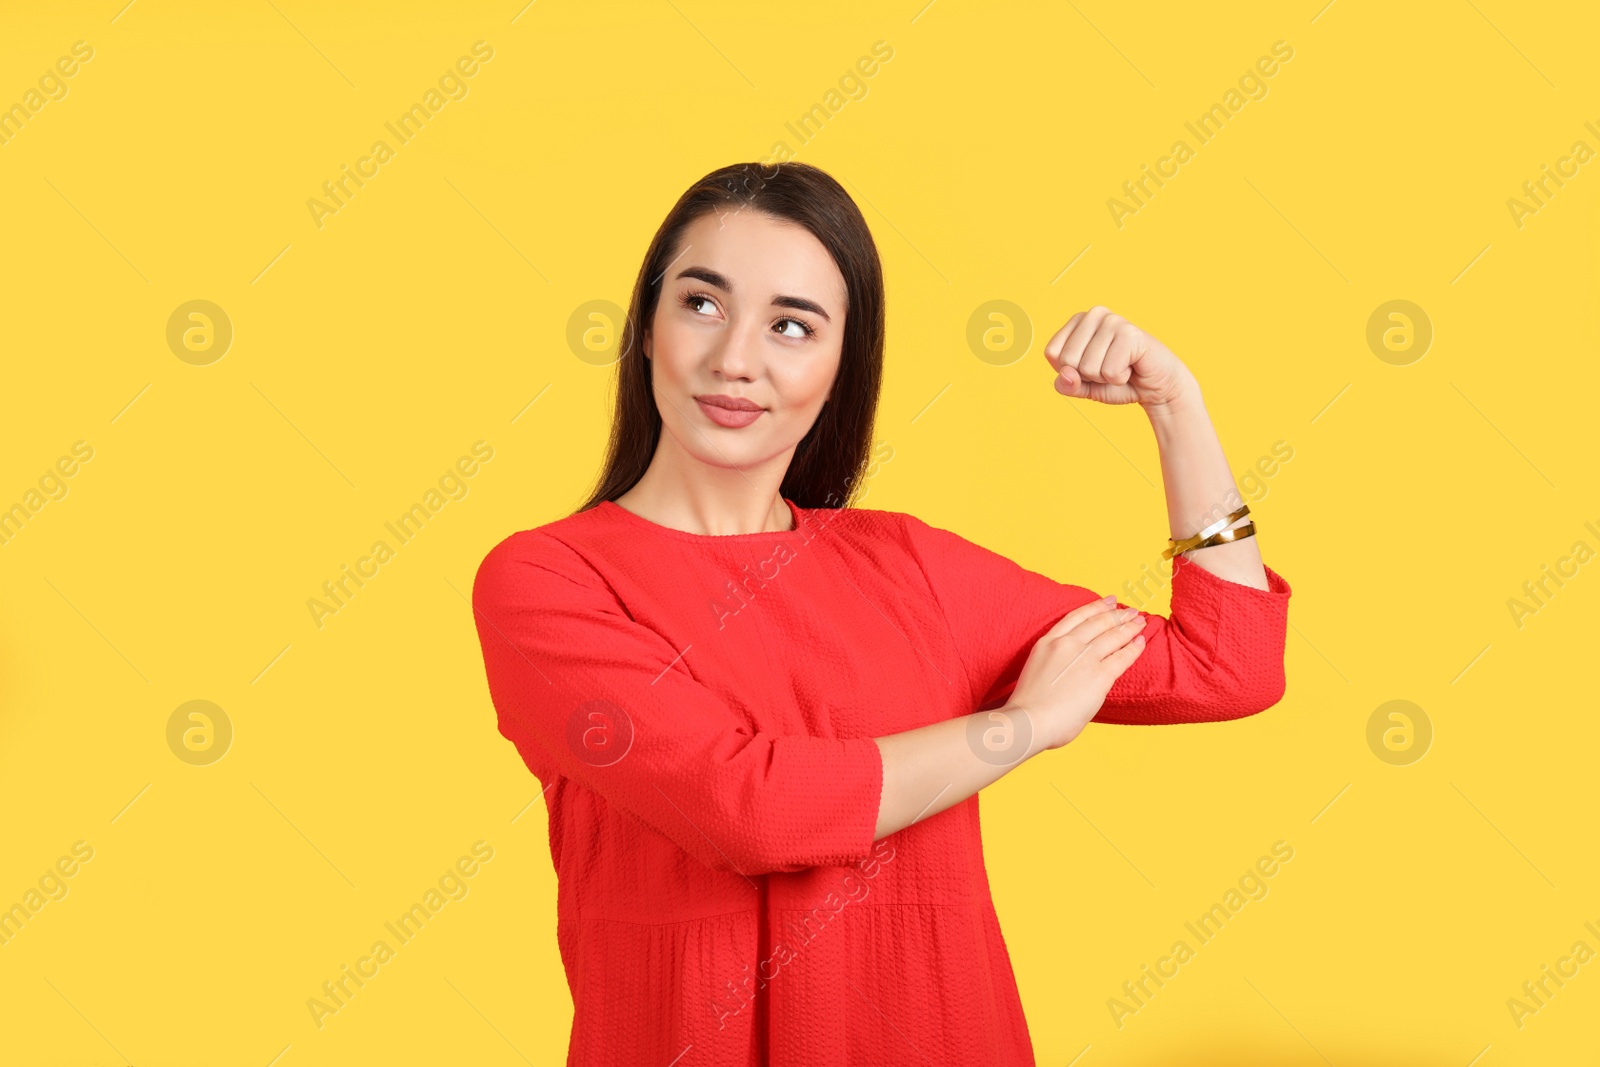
926 547
873 532
864 524
921 538
857 521
547 557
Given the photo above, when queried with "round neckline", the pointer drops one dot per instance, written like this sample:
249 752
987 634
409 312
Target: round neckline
685 535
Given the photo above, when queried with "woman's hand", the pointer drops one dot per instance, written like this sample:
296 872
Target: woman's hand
1101 356
1071 669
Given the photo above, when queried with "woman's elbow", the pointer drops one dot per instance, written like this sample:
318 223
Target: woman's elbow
1258 691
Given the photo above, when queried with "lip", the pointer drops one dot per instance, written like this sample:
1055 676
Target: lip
733 403
728 411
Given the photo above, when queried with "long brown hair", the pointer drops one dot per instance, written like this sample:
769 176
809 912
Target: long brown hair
830 460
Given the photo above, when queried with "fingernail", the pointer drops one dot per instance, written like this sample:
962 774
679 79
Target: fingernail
1112 599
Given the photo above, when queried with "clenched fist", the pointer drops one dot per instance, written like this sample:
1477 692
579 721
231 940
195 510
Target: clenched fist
1101 356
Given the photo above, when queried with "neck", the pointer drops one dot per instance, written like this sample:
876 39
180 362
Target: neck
717 501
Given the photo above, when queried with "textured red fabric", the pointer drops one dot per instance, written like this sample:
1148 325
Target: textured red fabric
700 711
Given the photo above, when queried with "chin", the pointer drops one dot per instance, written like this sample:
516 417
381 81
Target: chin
750 455
718 447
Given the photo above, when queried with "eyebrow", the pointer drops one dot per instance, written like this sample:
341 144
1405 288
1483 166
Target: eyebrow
723 282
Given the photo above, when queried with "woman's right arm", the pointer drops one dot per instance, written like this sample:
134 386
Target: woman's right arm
586 692
1069 671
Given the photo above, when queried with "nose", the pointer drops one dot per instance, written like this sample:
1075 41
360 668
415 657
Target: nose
736 355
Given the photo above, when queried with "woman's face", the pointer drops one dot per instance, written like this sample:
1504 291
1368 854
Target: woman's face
752 309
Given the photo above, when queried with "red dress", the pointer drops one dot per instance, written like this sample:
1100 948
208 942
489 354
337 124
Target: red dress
700 711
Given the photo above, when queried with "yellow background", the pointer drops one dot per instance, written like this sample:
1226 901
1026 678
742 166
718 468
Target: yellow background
429 312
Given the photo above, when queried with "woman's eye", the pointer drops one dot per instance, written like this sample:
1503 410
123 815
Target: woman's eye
693 300
804 330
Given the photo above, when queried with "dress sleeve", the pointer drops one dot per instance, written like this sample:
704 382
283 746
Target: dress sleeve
587 693
1218 655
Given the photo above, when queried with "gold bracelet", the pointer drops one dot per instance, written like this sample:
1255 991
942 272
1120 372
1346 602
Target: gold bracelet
1176 547
1238 533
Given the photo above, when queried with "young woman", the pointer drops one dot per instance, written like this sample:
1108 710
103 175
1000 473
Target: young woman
762 717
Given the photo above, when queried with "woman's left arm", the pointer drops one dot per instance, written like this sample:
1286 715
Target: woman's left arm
1200 488
1101 356
1219 654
